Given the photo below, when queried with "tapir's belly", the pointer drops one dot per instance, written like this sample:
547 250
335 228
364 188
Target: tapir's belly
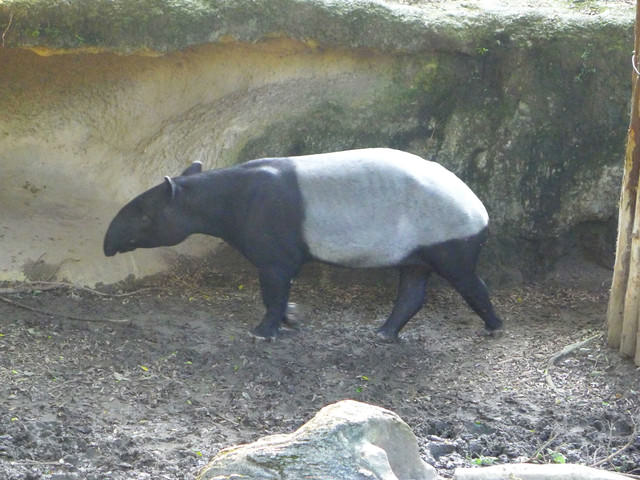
373 208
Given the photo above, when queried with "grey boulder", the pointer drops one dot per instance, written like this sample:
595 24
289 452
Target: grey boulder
347 440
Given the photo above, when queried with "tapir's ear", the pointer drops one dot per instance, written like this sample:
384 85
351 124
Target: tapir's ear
195 167
172 185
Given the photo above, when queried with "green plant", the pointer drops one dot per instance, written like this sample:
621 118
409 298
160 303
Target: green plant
484 461
361 387
587 67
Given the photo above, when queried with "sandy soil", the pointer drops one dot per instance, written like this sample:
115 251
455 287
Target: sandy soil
157 396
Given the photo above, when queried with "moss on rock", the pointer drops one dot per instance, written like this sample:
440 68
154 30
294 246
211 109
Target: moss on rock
166 25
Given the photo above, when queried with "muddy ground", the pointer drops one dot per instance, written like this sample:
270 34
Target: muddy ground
157 396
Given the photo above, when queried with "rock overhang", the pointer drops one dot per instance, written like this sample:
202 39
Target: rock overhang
128 102
159 26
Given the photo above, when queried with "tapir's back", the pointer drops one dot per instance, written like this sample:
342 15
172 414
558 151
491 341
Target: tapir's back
374 207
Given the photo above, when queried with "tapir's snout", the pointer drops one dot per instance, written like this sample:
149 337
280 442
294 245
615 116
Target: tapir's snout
112 243
111 247
116 242
108 247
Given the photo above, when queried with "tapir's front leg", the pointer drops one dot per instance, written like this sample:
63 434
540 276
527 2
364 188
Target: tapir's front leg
275 283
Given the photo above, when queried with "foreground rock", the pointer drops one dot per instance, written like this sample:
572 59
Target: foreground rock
346 440
527 471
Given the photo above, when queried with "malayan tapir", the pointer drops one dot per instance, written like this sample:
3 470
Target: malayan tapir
358 208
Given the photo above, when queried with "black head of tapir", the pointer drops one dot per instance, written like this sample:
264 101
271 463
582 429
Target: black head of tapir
359 208
152 219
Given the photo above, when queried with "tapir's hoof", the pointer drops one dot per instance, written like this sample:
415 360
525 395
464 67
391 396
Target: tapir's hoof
289 325
258 336
495 333
387 337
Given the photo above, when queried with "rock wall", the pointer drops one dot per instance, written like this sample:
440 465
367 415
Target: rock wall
100 99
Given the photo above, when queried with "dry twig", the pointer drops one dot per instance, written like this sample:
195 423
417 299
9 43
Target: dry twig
631 441
542 447
563 353
45 286
6 30
35 462
64 315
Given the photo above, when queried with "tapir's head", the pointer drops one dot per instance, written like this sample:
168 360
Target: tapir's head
153 219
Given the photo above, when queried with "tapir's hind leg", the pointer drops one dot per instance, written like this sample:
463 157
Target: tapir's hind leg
475 292
411 295
456 262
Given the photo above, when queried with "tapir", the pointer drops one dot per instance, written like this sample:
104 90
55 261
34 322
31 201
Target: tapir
358 208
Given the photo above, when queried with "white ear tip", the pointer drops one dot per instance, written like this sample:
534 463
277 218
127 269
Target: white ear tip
172 184
198 161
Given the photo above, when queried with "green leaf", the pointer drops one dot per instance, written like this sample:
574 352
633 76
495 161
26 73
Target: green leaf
483 461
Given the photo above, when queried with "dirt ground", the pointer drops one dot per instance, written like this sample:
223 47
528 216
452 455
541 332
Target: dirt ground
157 396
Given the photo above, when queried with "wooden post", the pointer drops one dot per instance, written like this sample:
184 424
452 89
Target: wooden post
615 310
623 313
629 331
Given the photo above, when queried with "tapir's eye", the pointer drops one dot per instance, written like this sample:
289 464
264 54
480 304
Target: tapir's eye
145 220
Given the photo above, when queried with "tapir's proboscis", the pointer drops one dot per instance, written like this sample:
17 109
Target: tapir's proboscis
358 208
